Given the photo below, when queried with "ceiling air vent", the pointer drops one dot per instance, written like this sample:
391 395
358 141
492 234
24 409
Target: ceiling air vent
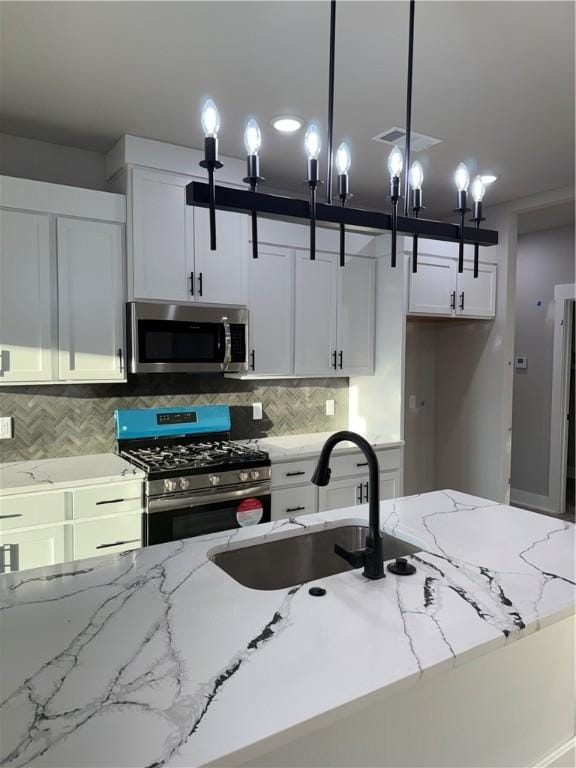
397 137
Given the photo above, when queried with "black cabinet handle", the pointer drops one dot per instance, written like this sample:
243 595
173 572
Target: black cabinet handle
294 474
200 283
340 356
117 543
462 301
362 464
453 300
253 360
120 359
192 283
109 501
366 490
334 356
359 493
295 509
8 517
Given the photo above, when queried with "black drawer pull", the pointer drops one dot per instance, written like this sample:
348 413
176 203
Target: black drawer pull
366 487
295 474
362 464
7 517
192 283
462 301
117 543
295 509
359 493
109 501
334 356
340 356
253 360
453 300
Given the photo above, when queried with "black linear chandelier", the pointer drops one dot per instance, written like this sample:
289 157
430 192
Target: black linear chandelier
342 216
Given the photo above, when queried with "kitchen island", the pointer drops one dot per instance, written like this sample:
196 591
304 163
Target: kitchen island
157 657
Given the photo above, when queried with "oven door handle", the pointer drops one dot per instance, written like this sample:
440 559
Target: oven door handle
227 345
176 501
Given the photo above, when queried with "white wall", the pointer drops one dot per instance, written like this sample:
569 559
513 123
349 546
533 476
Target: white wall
41 161
544 259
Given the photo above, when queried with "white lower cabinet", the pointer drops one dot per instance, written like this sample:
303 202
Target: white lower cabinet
339 494
107 535
294 502
34 548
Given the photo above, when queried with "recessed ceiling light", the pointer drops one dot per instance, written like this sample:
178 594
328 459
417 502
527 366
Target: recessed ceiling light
488 178
287 123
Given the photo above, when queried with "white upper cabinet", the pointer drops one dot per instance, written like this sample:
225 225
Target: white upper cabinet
270 301
159 263
26 287
90 300
433 286
220 275
356 316
316 295
476 297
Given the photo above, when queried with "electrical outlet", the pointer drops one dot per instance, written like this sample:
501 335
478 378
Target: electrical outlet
6 427
330 407
256 411
520 362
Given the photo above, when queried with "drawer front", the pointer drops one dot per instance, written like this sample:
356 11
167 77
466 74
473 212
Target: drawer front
32 509
292 473
355 463
116 498
107 536
294 502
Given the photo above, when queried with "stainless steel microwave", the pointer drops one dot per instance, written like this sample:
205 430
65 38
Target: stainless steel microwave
180 338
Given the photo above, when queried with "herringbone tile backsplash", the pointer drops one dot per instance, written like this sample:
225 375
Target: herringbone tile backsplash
74 419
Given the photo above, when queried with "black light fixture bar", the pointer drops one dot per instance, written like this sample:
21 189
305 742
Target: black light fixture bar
355 219
329 143
409 79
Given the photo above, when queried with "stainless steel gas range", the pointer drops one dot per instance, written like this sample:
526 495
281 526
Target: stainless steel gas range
197 481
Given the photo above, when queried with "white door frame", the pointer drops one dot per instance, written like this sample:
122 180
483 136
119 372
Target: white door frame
563 295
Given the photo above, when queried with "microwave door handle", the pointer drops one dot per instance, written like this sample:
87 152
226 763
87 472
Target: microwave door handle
227 344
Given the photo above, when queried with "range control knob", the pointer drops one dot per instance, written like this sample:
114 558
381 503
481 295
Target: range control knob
254 474
214 479
242 476
170 485
184 483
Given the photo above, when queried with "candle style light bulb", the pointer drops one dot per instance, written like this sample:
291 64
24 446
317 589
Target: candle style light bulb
416 175
312 142
343 158
252 137
210 119
462 178
478 189
395 163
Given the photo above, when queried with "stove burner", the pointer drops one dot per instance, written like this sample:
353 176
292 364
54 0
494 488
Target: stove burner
192 455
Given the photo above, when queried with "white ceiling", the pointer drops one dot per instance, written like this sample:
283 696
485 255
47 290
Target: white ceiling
494 80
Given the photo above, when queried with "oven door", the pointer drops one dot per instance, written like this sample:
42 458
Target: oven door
173 338
174 517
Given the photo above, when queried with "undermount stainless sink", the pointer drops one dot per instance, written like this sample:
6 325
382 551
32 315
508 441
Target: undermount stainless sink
300 558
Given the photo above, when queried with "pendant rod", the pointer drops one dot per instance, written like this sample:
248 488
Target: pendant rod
409 105
329 148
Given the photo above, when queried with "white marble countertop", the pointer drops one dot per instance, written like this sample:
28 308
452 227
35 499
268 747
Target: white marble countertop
309 445
51 474
158 658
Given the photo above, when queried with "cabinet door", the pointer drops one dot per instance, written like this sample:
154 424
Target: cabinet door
342 493
432 288
389 485
90 300
315 290
220 274
107 536
26 327
356 316
20 550
270 301
158 237
476 296
294 502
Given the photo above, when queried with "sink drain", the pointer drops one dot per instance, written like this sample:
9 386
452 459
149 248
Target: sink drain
317 591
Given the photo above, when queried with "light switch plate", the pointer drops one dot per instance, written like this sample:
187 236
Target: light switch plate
6 427
412 403
256 411
330 407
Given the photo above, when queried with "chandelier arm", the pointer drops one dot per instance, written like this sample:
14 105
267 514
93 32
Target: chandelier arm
329 147
409 79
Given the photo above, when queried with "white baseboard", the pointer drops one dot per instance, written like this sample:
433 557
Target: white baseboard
532 501
561 757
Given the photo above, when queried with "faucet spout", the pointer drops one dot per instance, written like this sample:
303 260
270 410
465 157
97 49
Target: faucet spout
371 557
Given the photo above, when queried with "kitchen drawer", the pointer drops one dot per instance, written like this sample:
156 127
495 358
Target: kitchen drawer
355 463
107 536
116 498
294 502
28 509
292 473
